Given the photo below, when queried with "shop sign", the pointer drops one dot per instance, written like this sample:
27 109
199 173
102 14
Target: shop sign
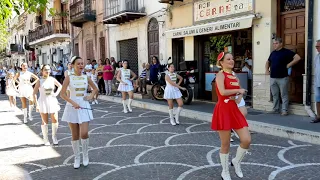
211 9
210 28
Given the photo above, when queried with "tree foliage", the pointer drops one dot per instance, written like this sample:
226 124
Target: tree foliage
17 6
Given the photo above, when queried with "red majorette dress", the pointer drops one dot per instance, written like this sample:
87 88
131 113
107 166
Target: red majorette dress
226 115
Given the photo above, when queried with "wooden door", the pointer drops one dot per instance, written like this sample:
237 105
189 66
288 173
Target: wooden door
293 35
102 48
153 39
89 49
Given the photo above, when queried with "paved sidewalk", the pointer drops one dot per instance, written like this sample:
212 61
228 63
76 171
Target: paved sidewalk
143 145
293 126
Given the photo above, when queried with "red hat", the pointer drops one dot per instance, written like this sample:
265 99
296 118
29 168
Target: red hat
220 56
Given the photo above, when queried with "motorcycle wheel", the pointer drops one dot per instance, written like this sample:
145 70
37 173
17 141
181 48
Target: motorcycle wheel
187 95
157 92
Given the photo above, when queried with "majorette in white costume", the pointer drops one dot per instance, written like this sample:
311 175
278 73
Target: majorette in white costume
26 90
78 112
126 86
11 91
47 104
171 92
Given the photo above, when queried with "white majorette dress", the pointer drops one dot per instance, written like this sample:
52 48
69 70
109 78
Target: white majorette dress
11 91
25 87
125 77
78 86
172 92
47 102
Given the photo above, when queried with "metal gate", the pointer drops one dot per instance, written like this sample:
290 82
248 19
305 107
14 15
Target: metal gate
129 51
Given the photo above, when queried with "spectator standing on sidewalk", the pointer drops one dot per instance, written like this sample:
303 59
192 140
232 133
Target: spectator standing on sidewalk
317 82
280 60
2 80
108 76
154 69
88 68
101 85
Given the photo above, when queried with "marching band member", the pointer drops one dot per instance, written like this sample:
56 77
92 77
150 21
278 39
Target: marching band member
227 116
172 91
47 103
11 91
126 85
26 90
78 112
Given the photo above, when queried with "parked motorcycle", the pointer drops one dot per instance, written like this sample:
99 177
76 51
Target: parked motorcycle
158 88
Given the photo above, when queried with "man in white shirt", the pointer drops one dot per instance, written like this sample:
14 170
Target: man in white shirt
88 68
59 73
316 64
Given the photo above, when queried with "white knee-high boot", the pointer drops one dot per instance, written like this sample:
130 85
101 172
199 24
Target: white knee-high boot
129 105
30 112
225 174
76 151
178 114
25 115
236 162
54 128
85 154
44 129
124 106
173 123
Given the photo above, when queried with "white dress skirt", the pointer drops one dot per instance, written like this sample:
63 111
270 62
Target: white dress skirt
172 92
78 86
125 77
242 103
11 91
25 87
47 102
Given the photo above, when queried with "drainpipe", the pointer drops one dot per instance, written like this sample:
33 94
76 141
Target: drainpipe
309 59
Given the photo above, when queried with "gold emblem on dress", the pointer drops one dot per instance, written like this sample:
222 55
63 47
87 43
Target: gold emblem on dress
234 84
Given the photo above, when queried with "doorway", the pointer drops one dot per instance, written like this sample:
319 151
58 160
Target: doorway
177 52
291 28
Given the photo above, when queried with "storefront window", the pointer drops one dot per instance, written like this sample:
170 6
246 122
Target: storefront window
218 44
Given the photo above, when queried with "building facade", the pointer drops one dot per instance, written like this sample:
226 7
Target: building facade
16 52
89 36
136 30
197 30
49 35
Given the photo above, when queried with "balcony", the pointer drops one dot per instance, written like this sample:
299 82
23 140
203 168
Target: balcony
122 11
169 1
82 11
57 29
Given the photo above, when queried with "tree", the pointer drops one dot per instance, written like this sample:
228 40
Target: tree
17 6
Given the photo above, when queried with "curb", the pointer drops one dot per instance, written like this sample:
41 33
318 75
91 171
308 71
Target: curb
259 127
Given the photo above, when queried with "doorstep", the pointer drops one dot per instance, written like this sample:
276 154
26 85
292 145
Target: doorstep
293 126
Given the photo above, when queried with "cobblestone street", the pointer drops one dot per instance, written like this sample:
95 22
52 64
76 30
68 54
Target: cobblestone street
143 146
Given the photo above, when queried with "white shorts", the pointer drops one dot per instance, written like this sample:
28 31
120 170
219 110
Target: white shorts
242 103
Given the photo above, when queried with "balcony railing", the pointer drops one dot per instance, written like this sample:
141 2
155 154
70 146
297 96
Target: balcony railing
56 26
114 7
131 9
82 11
